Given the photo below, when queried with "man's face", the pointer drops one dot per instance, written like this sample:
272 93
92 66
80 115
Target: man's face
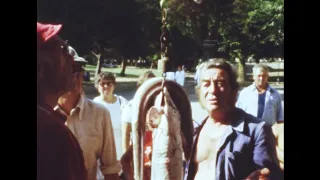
77 88
106 87
59 52
215 92
260 77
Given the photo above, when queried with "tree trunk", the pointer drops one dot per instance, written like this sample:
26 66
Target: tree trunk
99 64
257 59
124 65
151 66
242 69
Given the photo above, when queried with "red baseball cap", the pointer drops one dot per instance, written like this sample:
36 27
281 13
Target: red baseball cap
46 32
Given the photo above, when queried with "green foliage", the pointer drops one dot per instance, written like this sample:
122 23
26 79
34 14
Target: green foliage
254 27
132 28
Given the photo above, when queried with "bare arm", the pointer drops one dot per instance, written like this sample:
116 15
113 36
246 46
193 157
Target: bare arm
278 133
126 126
126 162
126 130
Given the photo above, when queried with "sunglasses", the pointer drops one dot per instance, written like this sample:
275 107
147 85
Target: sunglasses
105 83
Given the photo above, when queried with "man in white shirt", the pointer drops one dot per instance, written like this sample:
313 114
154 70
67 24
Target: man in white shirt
260 99
90 123
180 76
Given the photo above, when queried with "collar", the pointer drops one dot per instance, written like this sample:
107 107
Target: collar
79 107
237 124
254 88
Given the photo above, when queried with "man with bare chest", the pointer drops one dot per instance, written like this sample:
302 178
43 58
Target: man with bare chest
207 149
229 144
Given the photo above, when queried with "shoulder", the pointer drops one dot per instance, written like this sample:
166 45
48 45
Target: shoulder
243 93
252 125
123 100
247 89
94 104
96 107
46 120
50 128
274 91
96 99
54 138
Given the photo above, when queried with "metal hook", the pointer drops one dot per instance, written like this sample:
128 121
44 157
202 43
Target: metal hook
164 16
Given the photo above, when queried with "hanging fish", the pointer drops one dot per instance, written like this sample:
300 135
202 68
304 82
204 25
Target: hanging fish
159 110
167 148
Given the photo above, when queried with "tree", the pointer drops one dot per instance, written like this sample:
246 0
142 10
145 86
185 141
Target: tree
252 28
98 23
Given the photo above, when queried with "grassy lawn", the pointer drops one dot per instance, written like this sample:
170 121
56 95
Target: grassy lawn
128 83
131 73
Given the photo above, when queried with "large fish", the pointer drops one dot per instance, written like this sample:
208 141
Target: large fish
168 114
167 148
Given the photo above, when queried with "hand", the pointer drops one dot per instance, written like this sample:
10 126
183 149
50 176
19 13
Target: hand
261 174
126 162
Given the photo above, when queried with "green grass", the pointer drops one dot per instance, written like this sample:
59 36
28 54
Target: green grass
131 73
126 83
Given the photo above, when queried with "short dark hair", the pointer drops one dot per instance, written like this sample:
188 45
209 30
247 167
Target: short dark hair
104 76
221 63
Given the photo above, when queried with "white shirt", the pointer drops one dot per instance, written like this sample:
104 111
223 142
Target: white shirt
273 110
115 110
170 76
180 77
126 113
91 125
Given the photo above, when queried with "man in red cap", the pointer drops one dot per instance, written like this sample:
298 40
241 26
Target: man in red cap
59 155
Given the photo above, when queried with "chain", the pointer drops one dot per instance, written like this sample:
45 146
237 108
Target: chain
165 41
